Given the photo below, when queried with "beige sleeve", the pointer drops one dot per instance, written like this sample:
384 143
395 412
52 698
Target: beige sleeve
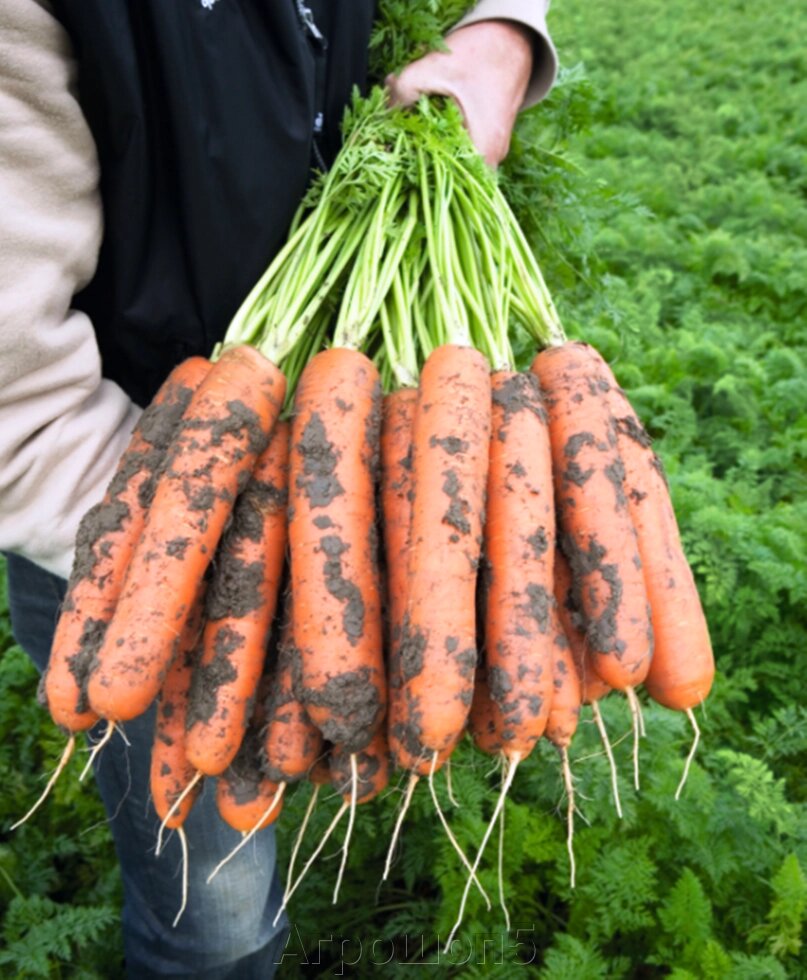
62 428
531 13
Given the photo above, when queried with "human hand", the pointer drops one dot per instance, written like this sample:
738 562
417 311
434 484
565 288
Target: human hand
486 71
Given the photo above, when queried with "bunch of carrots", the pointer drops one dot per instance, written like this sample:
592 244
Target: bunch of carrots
358 532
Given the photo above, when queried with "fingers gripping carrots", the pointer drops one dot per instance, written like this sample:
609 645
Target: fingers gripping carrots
223 430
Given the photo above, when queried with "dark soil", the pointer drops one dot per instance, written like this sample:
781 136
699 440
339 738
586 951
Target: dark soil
318 481
354 704
208 678
342 588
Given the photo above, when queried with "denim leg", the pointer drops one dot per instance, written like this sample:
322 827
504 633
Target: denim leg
226 930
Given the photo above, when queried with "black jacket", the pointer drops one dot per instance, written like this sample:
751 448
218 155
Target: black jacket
207 115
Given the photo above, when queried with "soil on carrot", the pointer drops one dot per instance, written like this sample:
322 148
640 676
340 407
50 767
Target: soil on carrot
411 649
519 393
601 630
259 498
240 421
318 481
341 588
243 775
354 705
537 605
539 542
451 444
458 506
366 766
631 427
372 432
208 678
235 589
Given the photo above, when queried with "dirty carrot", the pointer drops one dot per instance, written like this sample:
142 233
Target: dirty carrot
106 539
332 533
171 772
519 558
240 609
210 458
592 687
682 670
597 532
291 742
451 440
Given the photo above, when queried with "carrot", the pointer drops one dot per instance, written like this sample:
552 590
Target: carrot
482 726
519 560
564 710
240 609
438 645
592 688
291 742
332 532
396 517
171 772
210 458
372 767
244 796
682 670
597 535
106 538
359 777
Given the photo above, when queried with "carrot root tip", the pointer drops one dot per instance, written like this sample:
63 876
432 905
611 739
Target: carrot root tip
691 756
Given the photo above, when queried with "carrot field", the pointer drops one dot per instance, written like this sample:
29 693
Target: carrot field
664 189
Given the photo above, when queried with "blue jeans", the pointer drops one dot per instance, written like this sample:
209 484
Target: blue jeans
226 930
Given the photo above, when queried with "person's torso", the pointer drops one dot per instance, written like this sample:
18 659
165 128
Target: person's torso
207 115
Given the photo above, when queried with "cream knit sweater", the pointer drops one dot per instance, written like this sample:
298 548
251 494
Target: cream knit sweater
63 426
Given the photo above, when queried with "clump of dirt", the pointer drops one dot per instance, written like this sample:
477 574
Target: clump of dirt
458 506
521 392
353 702
411 650
318 481
451 444
235 589
342 588
539 542
208 678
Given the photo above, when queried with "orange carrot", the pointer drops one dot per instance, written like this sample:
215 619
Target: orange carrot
396 517
482 725
332 532
597 532
372 767
106 538
292 743
450 461
591 686
240 609
244 796
519 559
171 772
564 711
682 669
210 459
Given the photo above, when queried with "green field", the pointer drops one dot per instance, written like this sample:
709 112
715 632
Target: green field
673 230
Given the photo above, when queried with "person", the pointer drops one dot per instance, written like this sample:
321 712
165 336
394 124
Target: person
152 155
